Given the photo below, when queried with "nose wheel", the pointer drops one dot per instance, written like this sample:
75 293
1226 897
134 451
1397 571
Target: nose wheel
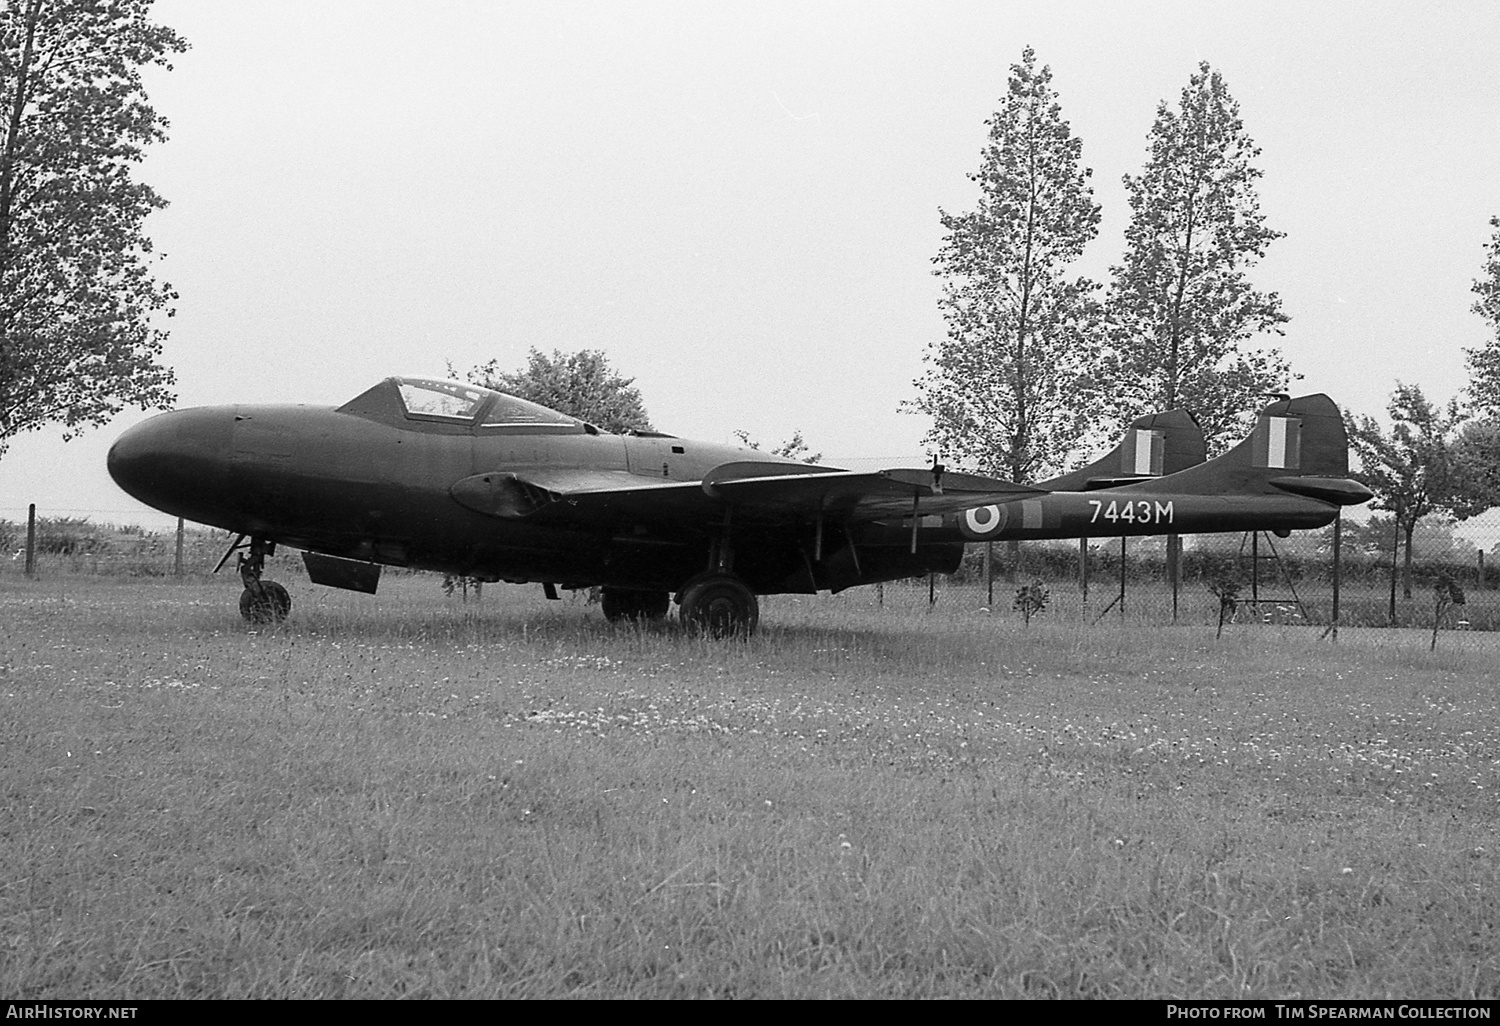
261 601
271 605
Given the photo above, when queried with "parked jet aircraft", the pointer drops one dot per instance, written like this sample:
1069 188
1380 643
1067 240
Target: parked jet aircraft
447 476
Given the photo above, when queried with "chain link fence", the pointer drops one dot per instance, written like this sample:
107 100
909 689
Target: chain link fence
1240 577
1259 576
76 545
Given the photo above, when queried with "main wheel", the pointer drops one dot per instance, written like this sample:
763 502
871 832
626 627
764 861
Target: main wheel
271 606
720 605
624 604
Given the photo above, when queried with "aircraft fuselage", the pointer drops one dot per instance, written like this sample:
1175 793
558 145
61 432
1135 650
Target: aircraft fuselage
341 484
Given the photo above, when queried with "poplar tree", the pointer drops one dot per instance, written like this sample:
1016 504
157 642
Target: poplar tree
1484 362
1179 306
78 302
1003 387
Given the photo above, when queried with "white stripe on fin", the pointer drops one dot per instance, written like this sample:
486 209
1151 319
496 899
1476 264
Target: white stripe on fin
1276 443
1143 440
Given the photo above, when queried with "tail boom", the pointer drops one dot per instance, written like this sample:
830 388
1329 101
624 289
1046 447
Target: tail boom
1291 474
1132 511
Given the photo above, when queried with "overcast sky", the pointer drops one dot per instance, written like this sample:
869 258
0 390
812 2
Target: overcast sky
739 203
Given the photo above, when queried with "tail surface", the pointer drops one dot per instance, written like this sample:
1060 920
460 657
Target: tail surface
1154 445
1299 446
1291 474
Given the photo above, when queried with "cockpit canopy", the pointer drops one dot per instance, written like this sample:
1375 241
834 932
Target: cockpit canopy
456 403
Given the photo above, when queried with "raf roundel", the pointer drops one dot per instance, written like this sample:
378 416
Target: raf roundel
984 520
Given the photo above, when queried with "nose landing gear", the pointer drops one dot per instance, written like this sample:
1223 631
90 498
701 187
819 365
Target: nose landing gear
270 606
261 601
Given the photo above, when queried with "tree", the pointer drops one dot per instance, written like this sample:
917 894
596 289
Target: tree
1180 307
1003 386
1484 362
1433 538
77 296
1476 463
580 384
793 448
1413 470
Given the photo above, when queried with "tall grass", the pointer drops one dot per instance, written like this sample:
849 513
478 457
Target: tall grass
412 796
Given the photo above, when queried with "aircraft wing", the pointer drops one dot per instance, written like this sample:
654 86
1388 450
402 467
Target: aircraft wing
856 496
756 493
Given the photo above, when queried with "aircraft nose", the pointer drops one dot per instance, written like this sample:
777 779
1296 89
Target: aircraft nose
174 461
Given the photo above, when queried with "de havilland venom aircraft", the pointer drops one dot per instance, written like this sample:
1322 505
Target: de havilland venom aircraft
447 476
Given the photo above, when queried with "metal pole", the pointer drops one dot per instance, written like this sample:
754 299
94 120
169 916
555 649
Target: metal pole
31 540
989 574
1255 570
1122 578
1338 538
1174 557
1083 568
177 562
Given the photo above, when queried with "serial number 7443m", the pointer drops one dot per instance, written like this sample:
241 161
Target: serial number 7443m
1142 511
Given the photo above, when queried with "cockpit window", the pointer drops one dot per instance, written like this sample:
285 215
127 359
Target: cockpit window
457 404
510 410
447 399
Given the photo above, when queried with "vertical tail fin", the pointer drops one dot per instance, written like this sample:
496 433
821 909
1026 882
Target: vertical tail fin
1154 445
1298 445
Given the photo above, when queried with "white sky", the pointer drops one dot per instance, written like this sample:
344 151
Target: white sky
739 202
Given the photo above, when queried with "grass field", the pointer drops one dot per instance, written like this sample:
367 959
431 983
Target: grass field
409 796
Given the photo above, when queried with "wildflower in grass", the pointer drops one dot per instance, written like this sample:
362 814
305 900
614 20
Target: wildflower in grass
1031 599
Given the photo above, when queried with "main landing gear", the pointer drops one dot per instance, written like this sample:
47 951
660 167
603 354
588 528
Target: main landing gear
720 605
717 602
261 601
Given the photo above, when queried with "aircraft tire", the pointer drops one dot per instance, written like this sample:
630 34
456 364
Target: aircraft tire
272 606
720 605
625 604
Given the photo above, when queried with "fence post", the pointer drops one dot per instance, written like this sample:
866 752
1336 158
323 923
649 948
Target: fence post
1174 557
989 574
1083 568
31 540
1255 571
1122 578
1338 538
